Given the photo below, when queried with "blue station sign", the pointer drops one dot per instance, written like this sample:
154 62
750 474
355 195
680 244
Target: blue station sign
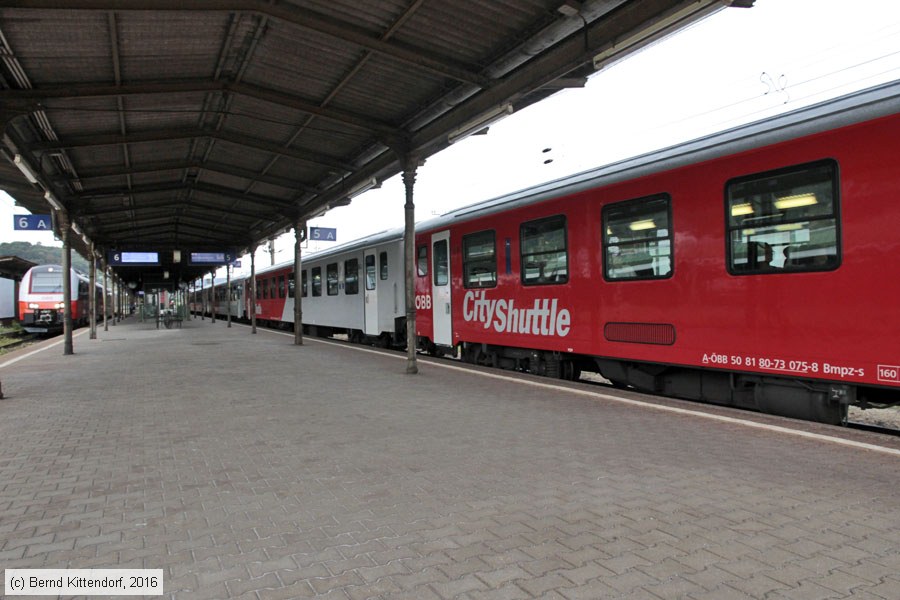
323 234
33 222
122 258
212 258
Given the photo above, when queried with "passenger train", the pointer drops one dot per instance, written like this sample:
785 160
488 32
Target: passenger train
41 301
758 267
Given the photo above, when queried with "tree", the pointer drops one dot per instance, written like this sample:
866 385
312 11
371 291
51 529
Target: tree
42 255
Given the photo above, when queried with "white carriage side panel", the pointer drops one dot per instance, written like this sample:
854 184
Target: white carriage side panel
7 298
440 288
342 310
391 295
371 290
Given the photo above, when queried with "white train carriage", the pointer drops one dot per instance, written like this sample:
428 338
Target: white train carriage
354 289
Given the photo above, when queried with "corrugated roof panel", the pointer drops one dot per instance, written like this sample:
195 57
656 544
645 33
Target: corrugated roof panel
55 46
372 17
299 171
236 155
169 45
160 150
304 63
82 116
387 92
96 156
155 112
476 31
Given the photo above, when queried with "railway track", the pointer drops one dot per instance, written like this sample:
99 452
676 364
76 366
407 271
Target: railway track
873 428
9 343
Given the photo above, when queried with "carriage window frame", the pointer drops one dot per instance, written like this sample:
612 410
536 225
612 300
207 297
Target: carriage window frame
766 242
441 262
371 277
632 212
316 282
383 265
556 279
304 283
422 260
281 286
471 264
351 276
291 285
332 279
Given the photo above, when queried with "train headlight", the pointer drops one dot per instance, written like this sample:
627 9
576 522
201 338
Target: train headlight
60 305
33 305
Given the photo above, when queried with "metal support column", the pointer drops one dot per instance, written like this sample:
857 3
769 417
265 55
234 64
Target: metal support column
228 293
410 164
93 293
115 298
299 236
252 303
64 226
105 292
212 297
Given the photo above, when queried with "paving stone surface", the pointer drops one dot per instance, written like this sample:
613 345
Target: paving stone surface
246 467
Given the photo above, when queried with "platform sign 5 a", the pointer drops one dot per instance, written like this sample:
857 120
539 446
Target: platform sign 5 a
323 234
33 222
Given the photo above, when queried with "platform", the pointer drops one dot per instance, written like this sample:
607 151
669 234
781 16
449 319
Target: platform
247 467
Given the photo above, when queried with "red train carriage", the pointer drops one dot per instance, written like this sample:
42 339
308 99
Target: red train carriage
758 267
41 301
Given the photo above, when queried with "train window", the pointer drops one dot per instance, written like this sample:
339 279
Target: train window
272 287
351 276
784 221
441 259
544 258
637 239
331 278
422 261
317 281
480 260
281 286
304 283
370 271
46 283
259 289
383 266
291 285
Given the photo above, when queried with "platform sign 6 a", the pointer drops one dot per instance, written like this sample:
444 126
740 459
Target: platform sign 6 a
323 234
33 222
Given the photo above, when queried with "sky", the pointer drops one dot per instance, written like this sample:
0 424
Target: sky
737 66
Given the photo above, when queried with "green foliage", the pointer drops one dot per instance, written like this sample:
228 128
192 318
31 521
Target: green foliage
42 255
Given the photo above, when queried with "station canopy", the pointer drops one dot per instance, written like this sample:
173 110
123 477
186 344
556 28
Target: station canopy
214 125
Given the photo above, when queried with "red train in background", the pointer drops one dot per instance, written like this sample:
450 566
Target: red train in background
759 267
41 298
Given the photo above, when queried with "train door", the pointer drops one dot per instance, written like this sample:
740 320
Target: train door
440 288
371 301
